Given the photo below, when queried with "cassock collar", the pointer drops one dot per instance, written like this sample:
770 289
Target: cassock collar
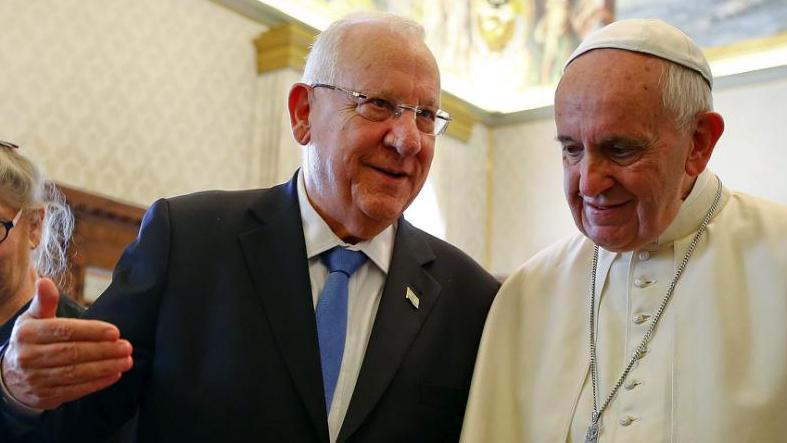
692 211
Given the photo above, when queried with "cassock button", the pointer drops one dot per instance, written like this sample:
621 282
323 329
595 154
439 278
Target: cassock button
631 384
640 318
643 282
627 420
644 255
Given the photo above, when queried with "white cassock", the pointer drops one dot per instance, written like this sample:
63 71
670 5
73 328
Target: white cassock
716 366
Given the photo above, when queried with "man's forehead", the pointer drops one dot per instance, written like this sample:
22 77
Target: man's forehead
395 61
608 71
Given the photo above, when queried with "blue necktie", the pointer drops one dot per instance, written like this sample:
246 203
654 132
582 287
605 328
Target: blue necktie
332 314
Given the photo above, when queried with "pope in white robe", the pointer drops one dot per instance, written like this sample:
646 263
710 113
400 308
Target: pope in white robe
714 368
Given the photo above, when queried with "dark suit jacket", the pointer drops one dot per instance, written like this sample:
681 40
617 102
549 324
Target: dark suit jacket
215 297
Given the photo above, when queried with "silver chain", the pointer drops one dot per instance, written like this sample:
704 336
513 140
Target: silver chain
642 348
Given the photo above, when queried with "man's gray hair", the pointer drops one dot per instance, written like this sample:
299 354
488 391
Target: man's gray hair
323 59
22 186
684 93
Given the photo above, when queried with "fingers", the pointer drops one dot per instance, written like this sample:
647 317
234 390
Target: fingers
44 303
49 361
41 377
52 397
38 331
46 379
64 354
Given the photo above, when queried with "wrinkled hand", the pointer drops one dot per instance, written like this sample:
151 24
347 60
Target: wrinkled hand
50 361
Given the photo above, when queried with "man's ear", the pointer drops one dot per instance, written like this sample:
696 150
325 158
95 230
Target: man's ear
708 128
299 107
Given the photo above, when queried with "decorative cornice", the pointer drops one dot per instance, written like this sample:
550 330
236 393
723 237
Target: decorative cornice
749 46
284 46
464 116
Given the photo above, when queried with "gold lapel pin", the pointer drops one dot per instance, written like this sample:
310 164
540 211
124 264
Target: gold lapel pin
410 295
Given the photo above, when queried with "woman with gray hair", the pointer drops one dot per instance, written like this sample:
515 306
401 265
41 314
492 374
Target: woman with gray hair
35 229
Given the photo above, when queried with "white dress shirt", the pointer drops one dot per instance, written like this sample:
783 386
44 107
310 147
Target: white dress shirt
365 290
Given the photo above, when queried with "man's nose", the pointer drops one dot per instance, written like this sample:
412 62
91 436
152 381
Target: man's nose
595 175
404 135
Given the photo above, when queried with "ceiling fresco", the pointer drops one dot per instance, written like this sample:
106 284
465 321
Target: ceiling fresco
507 55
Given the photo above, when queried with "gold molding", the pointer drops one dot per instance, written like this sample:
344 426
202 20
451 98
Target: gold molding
464 117
284 46
746 47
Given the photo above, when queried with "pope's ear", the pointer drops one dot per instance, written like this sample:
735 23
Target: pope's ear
298 105
708 128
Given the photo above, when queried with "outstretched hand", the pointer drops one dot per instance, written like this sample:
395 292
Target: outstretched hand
50 360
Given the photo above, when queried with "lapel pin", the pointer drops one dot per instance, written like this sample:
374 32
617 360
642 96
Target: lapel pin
410 296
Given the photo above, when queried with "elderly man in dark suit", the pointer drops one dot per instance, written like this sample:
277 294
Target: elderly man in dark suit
248 317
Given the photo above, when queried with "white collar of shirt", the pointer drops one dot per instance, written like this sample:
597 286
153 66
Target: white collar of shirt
693 209
320 238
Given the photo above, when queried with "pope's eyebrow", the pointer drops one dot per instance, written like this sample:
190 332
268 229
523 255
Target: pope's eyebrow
624 141
563 139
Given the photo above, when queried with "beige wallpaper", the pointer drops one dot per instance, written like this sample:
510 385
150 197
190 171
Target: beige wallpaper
132 99
529 211
458 175
278 155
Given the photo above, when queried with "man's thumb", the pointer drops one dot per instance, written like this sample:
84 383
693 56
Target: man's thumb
44 303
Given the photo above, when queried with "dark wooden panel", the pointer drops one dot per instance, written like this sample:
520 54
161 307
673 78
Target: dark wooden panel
103 228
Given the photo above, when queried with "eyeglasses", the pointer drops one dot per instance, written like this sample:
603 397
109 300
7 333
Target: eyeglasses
428 120
7 225
8 145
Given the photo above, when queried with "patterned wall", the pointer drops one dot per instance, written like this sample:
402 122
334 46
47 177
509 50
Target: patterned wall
529 211
458 176
132 99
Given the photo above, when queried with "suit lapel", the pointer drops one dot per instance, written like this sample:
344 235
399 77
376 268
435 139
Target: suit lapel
275 254
396 325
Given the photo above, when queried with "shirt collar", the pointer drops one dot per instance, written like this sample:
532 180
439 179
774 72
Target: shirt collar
319 237
693 209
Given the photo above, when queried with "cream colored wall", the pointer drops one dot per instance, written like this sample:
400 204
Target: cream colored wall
529 210
752 154
278 154
459 172
132 99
